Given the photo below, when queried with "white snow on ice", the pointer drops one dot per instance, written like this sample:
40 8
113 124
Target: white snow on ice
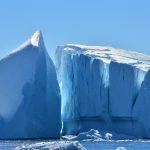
108 53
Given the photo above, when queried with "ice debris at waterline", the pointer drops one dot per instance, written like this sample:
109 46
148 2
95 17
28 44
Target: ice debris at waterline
121 148
104 88
84 136
91 135
29 98
59 145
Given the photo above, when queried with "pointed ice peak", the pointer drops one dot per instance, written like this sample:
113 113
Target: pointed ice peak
37 39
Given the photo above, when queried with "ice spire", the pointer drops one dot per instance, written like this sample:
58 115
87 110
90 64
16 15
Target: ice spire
37 39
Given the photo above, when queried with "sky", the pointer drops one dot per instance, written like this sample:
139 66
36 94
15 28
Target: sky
121 24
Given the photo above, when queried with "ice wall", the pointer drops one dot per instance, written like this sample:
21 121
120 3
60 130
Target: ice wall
124 88
141 109
101 88
30 97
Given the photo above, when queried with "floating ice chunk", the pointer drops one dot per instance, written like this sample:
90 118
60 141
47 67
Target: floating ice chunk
63 145
83 136
121 148
108 136
91 135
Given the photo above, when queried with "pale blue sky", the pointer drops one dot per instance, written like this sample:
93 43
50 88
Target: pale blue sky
119 23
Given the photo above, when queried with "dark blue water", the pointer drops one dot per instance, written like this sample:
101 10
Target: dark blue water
103 145
113 145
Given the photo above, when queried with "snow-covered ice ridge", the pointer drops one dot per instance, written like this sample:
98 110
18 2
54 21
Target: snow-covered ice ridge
104 88
29 93
108 54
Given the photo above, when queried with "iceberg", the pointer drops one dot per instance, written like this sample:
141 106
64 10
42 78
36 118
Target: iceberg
104 88
30 102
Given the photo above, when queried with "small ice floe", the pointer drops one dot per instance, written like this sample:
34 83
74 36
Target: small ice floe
62 145
108 136
121 148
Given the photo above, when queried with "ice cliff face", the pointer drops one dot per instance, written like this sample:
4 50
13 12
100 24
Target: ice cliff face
104 88
29 97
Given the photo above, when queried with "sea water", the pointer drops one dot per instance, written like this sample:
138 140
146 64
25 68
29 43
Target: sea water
89 145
